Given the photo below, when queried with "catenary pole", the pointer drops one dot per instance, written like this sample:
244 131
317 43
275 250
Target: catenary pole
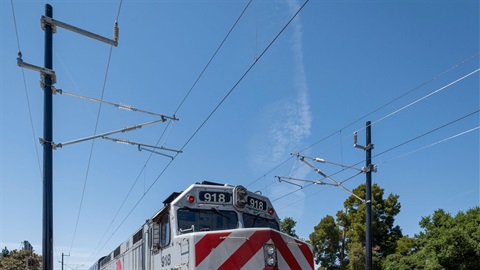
48 79
47 244
368 199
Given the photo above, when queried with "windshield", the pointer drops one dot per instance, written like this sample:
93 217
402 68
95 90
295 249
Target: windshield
255 221
194 220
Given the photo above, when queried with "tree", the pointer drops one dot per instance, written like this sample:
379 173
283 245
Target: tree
385 233
325 239
19 260
340 243
287 225
446 243
402 259
5 253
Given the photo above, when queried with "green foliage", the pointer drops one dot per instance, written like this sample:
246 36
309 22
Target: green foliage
287 225
5 253
446 243
453 242
340 243
18 260
385 233
406 245
325 239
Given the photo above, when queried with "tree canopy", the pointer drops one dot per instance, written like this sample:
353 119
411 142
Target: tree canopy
20 260
446 243
340 243
287 225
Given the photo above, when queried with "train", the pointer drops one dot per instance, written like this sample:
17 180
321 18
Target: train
211 226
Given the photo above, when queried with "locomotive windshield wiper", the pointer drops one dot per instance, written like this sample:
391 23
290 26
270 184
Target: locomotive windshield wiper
220 213
254 220
223 215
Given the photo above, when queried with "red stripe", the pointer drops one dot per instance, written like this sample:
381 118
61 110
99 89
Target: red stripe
246 251
285 251
205 245
307 253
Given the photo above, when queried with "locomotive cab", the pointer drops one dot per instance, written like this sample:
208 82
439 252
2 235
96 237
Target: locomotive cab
212 226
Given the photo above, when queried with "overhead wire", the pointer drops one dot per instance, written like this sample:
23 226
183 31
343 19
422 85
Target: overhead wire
213 56
209 116
383 106
169 124
407 106
26 93
397 146
94 133
383 162
426 133
396 99
426 96
290 157
432 144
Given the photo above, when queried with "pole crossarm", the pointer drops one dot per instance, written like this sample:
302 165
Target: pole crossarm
141 146
50 21
60 145
118 105
43 71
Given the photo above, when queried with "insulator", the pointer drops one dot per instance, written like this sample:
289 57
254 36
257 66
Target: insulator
115 31
122 142
125 107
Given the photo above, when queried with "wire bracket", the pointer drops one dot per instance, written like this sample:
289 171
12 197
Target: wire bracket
44 23
370 168
42 142
368 147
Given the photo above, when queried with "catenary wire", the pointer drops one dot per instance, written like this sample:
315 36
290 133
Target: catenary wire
397 98
427 96
395 147
370 113
410 104
432 144
207 118
426 133
93 141
383 162
212 57
26 94
178 108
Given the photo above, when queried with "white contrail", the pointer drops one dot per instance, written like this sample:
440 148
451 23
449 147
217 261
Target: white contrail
292 121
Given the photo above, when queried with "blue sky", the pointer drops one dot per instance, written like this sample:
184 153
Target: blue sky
335 63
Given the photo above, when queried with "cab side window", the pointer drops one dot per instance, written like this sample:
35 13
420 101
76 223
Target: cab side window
160 231
164 230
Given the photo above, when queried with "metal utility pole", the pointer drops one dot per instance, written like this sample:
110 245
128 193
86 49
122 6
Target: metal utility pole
62 258
48 79
368 199
369 167
47 243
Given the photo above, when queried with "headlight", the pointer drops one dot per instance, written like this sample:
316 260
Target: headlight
270 250
270 254
270 261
